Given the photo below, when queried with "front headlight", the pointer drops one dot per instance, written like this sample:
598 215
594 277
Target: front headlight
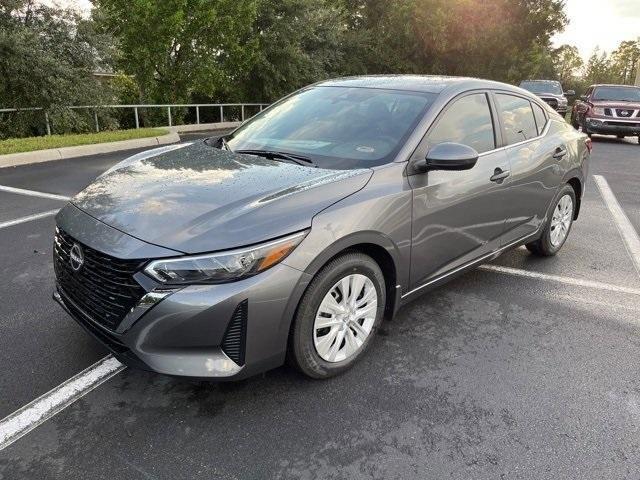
223 266
598 110
563 101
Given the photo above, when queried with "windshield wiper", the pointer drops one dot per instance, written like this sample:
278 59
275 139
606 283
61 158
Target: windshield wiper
275 155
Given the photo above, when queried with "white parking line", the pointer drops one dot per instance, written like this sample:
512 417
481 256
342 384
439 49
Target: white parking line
28 218
628 233
33 193
42 409
560 279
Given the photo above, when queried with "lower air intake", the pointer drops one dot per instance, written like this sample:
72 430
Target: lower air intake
233 343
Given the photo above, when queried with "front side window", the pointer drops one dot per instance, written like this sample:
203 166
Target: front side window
466 121
336 127
517 118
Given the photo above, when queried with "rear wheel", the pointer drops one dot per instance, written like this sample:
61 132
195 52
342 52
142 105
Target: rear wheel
338 316
558 226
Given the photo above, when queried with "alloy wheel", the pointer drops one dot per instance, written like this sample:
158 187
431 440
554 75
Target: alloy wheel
561 220
345 318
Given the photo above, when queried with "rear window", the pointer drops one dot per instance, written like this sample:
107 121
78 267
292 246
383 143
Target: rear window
540 116
517 118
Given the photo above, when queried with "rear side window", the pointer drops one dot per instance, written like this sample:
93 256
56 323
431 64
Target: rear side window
466 121
517 118
541 118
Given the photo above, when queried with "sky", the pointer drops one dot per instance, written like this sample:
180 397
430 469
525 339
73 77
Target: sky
600 23
593 23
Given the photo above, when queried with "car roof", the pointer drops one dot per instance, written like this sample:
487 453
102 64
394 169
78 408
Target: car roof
415 83
540 80
612 85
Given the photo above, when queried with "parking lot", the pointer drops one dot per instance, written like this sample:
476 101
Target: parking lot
525 368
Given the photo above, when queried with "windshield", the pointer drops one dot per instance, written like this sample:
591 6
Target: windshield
542 87
336 127
624 94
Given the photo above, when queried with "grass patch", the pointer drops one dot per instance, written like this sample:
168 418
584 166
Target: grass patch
30 144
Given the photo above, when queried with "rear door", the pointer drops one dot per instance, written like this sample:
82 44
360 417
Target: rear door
458 215
534 153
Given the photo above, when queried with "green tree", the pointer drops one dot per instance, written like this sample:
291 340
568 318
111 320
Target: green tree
598 68
47 57
498 39
175 48
292 43
625 60
567 63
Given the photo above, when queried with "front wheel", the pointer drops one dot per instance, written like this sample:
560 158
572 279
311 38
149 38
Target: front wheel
338 316
574 123
558 226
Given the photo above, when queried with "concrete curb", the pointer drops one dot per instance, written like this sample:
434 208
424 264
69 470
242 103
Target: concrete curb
203 127
38 156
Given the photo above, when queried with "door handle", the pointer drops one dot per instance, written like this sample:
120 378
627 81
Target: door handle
499 175
559 153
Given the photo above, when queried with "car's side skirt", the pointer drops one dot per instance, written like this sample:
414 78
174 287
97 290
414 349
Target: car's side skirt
434 282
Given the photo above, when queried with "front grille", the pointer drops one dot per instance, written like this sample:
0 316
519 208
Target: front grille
233 343
551 102
624 112
607 112
103 287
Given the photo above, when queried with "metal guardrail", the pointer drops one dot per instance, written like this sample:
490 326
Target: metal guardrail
135 108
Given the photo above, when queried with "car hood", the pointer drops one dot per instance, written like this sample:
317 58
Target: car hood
198 198
550 95
614 104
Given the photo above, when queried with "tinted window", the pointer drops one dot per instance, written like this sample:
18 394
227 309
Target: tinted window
625 94
337 127
467 121
517 118
541 118
542 86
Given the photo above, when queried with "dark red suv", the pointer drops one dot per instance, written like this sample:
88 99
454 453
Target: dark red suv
609 110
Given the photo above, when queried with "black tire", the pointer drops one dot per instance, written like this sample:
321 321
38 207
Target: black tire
302 352
543 246
620 136
639 140
574 123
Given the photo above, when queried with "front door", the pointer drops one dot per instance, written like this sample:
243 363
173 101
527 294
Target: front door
459 216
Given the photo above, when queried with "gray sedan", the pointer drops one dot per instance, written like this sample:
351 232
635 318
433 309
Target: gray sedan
298 234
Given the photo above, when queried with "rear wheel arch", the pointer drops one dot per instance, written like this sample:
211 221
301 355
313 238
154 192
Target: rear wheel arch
576 184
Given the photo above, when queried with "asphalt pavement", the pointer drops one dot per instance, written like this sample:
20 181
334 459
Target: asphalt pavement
527 369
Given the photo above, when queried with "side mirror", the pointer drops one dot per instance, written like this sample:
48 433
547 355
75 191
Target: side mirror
448 156
569 93
583 98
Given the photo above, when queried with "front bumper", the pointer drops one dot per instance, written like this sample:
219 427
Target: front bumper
186 332
610 127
